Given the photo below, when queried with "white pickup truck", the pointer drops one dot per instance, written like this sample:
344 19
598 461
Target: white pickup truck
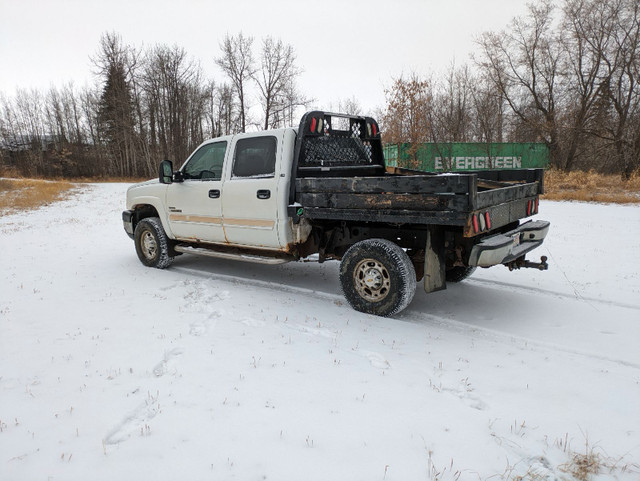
323 189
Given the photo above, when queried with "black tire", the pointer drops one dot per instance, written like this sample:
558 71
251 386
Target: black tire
377 277
152 243
459 273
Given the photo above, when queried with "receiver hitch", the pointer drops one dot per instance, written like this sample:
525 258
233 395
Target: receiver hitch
521 263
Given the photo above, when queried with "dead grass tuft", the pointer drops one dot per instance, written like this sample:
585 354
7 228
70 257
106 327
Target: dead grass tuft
591 187
582 466
29 194
592 461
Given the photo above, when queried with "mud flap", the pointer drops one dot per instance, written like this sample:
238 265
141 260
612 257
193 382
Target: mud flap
434 261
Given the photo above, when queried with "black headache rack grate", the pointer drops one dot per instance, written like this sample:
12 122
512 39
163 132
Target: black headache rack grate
335 151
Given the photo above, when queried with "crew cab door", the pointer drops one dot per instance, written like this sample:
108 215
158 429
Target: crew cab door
194 206
250 200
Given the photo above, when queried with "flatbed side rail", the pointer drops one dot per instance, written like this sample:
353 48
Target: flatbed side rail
420 198
415 184
388 216
527 176
495 197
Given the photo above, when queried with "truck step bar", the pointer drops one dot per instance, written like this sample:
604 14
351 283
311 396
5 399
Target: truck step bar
231 255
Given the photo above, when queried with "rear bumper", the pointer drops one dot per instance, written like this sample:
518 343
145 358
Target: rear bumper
127 222
507 247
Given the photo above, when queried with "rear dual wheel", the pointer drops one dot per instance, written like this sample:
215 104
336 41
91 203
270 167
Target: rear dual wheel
377 277
459 273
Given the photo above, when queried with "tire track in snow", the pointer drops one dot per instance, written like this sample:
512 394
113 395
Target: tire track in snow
491 334
258 283
547 292
137 419
412 315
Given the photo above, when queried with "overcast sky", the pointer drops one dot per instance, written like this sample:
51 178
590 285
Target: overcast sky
348 48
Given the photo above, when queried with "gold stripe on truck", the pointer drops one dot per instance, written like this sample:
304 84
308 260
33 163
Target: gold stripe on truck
261 223
198 219
201 219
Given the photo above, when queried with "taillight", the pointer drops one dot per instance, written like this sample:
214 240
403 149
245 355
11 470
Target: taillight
481 222
375 130
316 125
529 207
536 207
487 219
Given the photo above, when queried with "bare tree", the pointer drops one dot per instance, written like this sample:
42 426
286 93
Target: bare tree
449 111
290 101
277 72
222 110
238 64
488 111
587 27
523 62
349 106
90 106
622 86
22 130
450 107
174 96
55 116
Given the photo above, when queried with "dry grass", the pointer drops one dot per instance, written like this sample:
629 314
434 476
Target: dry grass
28 194
14 174
582 466
591 187
103 180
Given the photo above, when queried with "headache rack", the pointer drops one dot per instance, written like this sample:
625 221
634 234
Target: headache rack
332 145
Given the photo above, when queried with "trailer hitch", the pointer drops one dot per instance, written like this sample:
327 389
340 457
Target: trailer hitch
522 263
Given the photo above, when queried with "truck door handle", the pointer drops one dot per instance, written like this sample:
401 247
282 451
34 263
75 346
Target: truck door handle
264 194
214 194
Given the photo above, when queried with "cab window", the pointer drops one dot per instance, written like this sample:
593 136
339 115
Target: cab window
255 157
206 162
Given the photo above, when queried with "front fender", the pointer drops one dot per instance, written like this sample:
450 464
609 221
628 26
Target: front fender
152 195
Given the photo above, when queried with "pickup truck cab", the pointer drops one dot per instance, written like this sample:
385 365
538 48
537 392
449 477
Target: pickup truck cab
323 189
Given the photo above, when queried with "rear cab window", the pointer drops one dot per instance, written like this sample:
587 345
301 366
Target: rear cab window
255 157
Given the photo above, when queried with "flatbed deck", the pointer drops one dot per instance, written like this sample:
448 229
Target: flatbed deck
412 197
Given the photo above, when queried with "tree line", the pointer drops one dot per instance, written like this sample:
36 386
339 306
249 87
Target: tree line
565 75
147 105
568 78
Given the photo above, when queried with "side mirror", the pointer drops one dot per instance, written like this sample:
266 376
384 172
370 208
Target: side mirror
165 172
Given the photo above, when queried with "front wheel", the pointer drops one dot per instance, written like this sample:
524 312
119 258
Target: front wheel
152 243
377 277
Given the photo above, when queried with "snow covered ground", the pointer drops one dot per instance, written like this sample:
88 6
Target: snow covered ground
223 370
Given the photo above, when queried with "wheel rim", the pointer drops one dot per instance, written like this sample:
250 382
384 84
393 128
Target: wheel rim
372 280
149 245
